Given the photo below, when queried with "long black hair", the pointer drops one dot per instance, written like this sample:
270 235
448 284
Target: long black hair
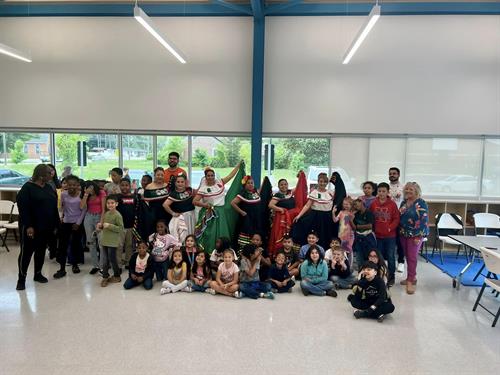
207 272
55 179
88 183
308 254
382 268
225 244
172 264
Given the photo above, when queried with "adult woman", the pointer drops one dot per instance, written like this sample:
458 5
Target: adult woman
413 227
286 205
38 221
55 184
217 218
180 205
155 194
93 201
252 209
316 215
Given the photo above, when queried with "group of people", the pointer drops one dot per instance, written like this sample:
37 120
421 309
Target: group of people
237 241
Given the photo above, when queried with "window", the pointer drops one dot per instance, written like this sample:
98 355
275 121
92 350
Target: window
445 166
102 154
384 154
19 156
312 155
349 158
226 151
137 151
491 169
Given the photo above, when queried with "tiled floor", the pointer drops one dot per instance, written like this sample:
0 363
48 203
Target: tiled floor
73 326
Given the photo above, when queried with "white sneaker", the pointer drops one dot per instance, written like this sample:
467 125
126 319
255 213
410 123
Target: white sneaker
210 291
401 267
187 289
237 294
165 291
164 284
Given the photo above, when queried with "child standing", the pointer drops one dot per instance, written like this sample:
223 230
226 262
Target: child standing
226 280
126 207
346 234
161 243
140 269
250 284
370 295
111 227
364 239
176 275
280 278
113 187
201 273
339 270
314 274
369 193
292 261
376 257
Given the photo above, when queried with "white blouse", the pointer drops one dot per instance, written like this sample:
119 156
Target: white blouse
321 201
213 194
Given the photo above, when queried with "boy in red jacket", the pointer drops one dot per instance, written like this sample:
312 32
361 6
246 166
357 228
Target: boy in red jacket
386 215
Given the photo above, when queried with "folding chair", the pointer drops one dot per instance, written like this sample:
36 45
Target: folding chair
3 231
447 225
482 222
13 225
492 262
5 209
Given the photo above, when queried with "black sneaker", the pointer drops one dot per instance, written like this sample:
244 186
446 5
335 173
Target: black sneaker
59 274
305 292
361 314
331 293
75 269
20 285
40 278
380 318
94 270
390 282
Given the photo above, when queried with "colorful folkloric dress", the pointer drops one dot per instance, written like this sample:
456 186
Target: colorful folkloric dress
182 203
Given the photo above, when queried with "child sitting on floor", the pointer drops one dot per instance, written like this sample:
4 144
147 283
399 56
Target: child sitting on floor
250 285
339 269
217 257
292 261
140 268
227 277
176 275
200 273
312 240
280 278
370 295
314 274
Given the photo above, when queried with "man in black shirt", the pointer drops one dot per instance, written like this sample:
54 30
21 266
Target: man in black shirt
38 222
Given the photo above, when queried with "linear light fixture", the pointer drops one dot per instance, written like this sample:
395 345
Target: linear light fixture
362 34
12 52
148 24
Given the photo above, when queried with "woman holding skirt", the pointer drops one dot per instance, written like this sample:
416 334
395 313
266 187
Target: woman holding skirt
179 204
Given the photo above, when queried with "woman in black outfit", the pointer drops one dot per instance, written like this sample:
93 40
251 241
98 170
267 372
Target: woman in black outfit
38 222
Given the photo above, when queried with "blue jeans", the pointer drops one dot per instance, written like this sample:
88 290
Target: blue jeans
108 255
319 289
199 288
252 289
362 246
89 223
283 289
343 283
160 269
387 246
147 283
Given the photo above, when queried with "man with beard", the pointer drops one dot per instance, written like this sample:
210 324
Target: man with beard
396 193
173 170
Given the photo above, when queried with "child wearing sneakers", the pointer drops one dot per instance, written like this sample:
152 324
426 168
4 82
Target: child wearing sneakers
227 277
369 296
280 278
111 227
140 269
314 274
250 285
200 273
176 275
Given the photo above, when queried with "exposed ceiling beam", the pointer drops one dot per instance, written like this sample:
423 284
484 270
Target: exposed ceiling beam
258 8
238 8
275 8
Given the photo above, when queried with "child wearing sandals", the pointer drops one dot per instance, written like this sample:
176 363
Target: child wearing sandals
369 296
227 277
200 273
176 275
250 285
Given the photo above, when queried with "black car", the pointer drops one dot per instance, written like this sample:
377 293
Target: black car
12 178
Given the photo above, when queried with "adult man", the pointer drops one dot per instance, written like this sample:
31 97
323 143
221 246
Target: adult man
173 170
38 221
396 193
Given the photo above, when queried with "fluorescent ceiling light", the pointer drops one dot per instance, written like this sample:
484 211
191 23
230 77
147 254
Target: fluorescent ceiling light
12 52
362 34
148 24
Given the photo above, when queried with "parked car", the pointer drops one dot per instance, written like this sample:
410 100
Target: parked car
314 171
135 175
458 184
12 178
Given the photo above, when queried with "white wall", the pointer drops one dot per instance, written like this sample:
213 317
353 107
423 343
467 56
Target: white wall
109 73
413 74
419 75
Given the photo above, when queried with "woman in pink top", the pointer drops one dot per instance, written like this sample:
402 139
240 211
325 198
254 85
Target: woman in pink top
93 200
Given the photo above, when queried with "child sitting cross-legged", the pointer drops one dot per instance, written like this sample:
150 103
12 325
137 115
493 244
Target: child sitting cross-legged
140 268
339 270
292 261
200 273
227 277
250 285
176 275
314 274
370 295
280 278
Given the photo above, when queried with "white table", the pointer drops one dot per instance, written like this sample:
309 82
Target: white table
474 243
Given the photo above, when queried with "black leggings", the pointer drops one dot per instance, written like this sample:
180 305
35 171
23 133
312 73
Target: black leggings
385 308
29 246
69 236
